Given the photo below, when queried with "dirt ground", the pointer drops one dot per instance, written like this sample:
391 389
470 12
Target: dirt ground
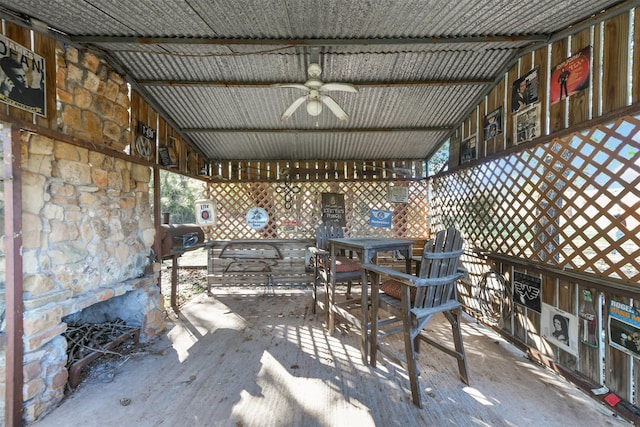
192 277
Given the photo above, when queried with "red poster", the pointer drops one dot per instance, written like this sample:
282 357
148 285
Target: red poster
571 76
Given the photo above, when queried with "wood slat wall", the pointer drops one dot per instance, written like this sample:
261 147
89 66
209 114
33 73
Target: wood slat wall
608 92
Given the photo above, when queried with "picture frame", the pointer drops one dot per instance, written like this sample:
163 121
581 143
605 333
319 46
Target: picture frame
560 328
468 149
526 124
525 91
492 124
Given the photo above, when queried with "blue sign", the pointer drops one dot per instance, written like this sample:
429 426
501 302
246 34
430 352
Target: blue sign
378 218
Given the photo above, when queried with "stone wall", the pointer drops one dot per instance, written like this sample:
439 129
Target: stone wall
87 226
92 100
87 236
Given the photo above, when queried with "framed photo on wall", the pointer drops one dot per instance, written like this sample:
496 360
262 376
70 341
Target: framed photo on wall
493 124
560 328
468 149
526 124
525 90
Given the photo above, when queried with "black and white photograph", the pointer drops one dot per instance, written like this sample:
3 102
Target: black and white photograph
526 124
560 328
22 77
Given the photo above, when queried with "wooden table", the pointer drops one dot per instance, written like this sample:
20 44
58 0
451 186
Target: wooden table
367 249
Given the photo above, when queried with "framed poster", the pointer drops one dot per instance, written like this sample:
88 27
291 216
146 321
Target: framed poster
22 77
525 90
468 149
570 76
559 328
493 124
526 124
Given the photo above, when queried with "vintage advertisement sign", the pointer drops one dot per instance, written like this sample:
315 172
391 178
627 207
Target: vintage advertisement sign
22 77
570 76
624 328
257 218
560 328
333 208
397 194
380 218
527 290
206 212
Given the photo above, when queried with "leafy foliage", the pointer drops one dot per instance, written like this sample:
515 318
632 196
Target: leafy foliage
178 194
440 160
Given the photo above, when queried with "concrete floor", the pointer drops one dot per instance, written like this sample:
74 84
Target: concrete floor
242 358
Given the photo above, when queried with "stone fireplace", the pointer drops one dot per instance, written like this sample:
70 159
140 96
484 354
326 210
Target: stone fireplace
87 239
87 229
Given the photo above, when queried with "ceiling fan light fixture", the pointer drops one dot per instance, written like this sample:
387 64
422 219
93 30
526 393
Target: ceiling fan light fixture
314 107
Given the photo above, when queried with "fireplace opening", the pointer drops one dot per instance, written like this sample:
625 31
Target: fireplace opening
105 329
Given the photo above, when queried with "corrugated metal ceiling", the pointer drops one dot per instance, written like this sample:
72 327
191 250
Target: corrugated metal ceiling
420 66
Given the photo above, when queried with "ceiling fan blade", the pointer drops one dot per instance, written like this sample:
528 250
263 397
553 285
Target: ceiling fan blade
293 107
343 87
293 85
334 107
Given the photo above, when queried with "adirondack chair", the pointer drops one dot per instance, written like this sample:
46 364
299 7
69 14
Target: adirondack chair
412 300
347 268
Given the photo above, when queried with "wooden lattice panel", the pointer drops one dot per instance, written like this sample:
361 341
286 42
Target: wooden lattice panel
572 202
303 216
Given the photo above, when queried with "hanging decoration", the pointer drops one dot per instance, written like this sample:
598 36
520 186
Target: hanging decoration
288 189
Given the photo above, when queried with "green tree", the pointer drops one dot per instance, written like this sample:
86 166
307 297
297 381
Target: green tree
178 194
440 160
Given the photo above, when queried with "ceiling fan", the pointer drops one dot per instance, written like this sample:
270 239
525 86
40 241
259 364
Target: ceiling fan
315 95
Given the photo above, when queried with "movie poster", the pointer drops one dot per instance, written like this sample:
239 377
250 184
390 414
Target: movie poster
624 328
22 77
525 91
560 328
333 208
571 76
493 124
528 290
